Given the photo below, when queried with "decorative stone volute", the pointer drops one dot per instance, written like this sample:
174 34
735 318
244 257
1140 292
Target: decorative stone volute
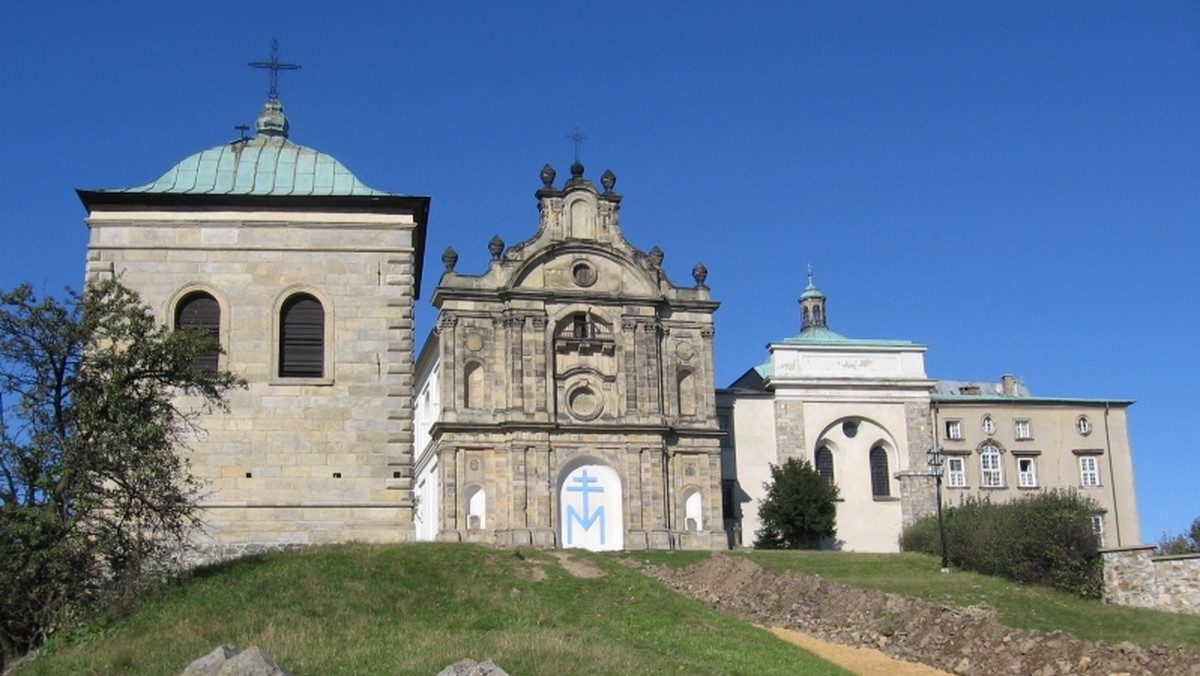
656 256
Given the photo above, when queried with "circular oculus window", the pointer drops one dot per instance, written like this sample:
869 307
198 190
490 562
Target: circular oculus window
1083 425
989 425
583 274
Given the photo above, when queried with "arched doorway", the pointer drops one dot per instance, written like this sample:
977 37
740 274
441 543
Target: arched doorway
590 508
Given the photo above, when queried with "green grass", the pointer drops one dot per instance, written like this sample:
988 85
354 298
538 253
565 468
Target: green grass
1019 606
414 609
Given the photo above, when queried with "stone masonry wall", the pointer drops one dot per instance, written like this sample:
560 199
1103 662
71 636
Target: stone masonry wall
1133 576
294 461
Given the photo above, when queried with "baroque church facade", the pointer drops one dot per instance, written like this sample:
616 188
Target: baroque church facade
566 396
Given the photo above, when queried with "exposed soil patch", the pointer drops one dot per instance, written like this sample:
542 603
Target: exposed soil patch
860 660
578 568
965 641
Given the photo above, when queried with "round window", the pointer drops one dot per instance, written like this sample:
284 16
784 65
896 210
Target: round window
583 274
850 429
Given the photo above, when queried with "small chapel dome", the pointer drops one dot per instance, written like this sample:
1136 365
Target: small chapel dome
811 291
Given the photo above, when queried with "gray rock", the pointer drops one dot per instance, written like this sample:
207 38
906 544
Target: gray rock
210 663
227 660
473 668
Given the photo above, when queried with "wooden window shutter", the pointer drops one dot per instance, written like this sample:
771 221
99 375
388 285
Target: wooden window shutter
202 312
302 338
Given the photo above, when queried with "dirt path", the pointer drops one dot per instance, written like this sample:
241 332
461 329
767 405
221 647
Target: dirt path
862 661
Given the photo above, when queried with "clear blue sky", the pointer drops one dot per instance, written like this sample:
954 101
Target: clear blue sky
1013 184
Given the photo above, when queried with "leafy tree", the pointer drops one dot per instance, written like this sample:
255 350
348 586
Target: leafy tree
800 508
96 398
1183 543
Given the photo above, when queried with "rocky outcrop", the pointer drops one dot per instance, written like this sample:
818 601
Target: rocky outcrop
227 660
967 641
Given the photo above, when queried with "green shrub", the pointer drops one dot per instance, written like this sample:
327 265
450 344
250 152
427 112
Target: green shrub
800 510
1044 539
1182 543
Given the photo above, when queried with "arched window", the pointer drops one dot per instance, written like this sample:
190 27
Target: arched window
302 338
200 311
473 385
476 508
824 464
584 333
991 471
693 510
880 483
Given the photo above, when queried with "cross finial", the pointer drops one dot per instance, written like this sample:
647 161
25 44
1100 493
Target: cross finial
242 129
578 137
274 65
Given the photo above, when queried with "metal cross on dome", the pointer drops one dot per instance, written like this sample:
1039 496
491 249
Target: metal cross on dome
274 65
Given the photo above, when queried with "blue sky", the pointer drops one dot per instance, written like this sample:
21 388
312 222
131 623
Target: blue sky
1013 184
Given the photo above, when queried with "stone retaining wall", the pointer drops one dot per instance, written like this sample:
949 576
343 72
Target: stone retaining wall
1134 576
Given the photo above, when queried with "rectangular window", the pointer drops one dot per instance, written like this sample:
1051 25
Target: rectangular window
1098 528
992 475
1089 471
956 472
1026 473
1022 430
954 429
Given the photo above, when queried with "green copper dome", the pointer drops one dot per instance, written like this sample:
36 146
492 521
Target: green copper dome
811 291
265 164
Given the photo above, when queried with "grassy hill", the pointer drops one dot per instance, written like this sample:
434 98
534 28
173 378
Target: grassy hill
414 609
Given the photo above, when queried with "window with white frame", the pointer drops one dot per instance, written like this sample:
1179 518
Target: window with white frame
989 425
1089 471
1098 528
956 472
991 471
954 429
1026 472
1022 429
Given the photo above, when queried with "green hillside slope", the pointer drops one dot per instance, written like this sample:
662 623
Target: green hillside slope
414 609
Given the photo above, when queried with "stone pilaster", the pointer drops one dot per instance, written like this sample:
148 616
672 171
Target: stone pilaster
790 439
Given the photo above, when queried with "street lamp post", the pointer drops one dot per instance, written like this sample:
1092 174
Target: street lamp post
935 458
